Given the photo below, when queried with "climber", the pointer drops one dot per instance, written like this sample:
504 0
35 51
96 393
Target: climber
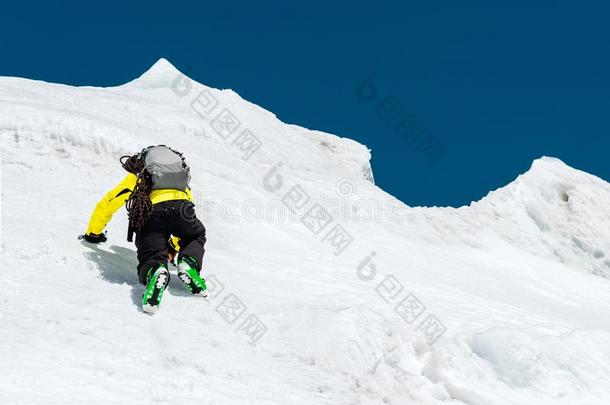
162 216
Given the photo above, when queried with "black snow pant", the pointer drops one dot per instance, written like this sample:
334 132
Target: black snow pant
177 218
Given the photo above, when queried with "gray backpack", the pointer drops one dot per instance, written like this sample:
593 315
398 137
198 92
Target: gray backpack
167 168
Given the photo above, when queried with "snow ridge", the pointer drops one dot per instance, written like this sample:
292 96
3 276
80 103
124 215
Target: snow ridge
554 211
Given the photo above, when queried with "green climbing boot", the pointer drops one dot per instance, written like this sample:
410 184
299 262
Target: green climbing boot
188 274
157 281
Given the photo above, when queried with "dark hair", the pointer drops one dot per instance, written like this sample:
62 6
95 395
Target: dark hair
139 205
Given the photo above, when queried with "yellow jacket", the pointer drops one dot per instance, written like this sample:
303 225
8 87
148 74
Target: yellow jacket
116 198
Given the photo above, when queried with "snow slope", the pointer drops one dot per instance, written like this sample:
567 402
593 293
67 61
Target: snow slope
501 302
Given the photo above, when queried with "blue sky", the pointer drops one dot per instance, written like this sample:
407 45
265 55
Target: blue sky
494 86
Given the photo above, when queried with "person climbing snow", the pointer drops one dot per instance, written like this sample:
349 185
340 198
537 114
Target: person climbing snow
161 212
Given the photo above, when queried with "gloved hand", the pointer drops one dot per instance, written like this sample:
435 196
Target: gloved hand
95 237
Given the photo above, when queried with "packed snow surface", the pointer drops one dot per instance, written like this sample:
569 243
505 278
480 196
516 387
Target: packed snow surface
324 288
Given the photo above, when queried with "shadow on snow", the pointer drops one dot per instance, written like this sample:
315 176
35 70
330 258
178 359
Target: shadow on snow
118 266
